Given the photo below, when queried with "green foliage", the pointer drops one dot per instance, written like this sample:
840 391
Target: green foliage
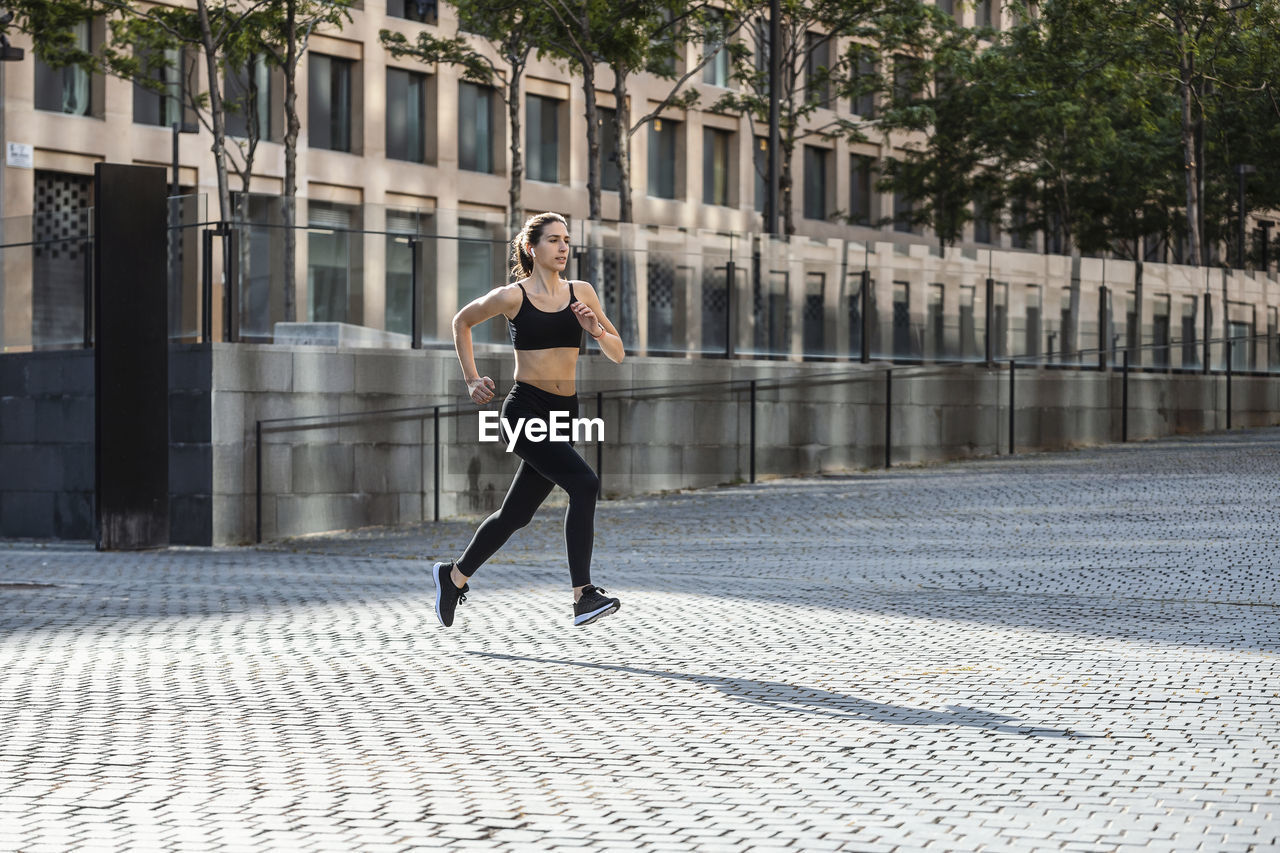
1072 119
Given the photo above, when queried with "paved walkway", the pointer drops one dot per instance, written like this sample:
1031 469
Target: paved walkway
1072 651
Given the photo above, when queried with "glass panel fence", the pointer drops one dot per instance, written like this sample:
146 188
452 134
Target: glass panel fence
355 271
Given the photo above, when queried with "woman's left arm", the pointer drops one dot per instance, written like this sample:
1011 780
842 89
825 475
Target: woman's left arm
592 319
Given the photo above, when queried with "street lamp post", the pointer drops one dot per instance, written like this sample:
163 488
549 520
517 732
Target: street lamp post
1241 171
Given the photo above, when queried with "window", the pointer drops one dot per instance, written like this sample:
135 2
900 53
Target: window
716 71
480 262
334 274
715 166
401 227
249 92
662 158
762 45
1066 322
610 176
903 211
1019 235
423 11
1000 320
475 128
812 332
65 90
406 115
864 100
165 107
1160 330
1190 354
906 79
760 168
1273 338
666 48
1031 347
817 65
902 320
1241 344
936 329
329 102
815 182
988 14
968 322
542 142
861 192
982 230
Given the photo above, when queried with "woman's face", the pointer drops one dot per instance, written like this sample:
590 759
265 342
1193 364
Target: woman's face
552 248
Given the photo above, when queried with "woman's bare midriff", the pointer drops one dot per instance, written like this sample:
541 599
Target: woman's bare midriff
549 369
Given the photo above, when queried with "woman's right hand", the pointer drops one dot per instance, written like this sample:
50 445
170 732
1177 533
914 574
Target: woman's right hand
481 390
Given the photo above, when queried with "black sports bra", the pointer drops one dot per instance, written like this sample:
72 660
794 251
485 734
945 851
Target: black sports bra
533 328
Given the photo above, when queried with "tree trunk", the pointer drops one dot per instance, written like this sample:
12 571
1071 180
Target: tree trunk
595 240
292 128
216 114
784 189
515 203
593 140
628 298
622 132
1189 152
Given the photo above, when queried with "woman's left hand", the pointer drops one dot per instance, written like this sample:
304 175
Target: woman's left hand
587 319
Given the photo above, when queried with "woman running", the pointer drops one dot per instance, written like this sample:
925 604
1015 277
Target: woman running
547 316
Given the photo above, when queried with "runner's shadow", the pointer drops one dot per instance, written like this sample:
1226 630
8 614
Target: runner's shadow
777 695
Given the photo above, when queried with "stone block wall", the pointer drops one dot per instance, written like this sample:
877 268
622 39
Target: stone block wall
331 466
46 445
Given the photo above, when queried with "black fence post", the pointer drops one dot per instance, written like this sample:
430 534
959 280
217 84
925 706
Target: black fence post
435 465
730 280
415 296
990 319
600 448
1208 332
206 285
1013 369
231 292
865 298
888 417
257 450
1231 345
751 451
1124 399
1104 326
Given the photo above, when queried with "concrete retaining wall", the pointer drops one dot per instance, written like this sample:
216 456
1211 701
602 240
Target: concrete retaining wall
337 474
341 473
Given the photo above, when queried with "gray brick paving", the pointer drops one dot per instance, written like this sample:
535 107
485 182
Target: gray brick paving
1057 652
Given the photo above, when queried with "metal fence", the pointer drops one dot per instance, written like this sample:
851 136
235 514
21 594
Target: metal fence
402 274
748 393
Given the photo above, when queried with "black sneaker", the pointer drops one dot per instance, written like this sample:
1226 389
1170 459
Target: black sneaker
593 605
447 595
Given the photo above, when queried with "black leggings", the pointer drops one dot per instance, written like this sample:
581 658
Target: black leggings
543 464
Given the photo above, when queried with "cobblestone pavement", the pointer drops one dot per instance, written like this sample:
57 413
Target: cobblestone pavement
1071 651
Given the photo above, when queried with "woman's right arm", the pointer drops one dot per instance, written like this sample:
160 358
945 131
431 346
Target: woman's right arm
497 301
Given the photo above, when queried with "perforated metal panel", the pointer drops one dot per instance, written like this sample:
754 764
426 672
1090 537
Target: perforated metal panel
662 282
59 228
715 305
